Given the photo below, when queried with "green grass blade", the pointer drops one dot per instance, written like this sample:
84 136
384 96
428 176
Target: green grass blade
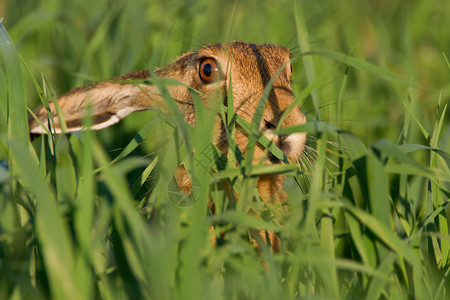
143 177
303 42
377 285
328 244
386 235
64 171
52 232
17 113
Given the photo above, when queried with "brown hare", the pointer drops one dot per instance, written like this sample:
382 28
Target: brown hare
208 70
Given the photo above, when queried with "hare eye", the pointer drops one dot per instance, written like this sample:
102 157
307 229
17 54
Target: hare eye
208 70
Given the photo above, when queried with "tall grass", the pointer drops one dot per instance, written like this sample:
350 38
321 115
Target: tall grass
97 214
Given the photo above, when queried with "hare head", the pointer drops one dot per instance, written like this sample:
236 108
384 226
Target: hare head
208 70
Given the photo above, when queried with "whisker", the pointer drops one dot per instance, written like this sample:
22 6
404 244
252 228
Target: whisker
182 42
334 144
306 101
309 165
307 176
187 33
290 40
295 82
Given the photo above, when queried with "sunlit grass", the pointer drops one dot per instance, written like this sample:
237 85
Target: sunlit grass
97 214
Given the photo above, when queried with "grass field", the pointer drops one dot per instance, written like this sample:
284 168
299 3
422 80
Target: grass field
96 215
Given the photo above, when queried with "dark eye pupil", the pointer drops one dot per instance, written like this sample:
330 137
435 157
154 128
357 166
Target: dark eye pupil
207 69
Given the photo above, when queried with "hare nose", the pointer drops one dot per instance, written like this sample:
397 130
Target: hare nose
283 143
269 125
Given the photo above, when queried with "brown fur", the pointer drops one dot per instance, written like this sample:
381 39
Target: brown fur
252 68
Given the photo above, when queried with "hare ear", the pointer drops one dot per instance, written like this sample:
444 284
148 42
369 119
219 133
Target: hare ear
110 102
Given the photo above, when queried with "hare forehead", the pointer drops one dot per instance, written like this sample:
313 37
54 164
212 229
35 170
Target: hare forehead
246 56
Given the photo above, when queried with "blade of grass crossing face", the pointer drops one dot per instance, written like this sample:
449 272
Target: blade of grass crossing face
269 146
231 118
263 140
253 136
302 96
313 127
